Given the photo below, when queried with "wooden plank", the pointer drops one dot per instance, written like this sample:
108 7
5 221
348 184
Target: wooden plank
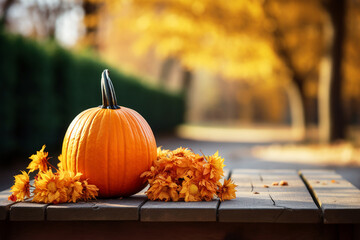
339 199
27 211
318 172
5 204
157 211
275 204
99 210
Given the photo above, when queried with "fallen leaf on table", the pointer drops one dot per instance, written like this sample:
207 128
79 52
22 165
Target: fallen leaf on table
284 183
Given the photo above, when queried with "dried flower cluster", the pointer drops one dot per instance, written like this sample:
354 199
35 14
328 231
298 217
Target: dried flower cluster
182 175
49 187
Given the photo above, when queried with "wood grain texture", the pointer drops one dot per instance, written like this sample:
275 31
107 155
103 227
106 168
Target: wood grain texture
157 211
339 199
275 204
27 211
5 204
99 210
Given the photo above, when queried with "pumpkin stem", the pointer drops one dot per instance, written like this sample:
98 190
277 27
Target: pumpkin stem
107 91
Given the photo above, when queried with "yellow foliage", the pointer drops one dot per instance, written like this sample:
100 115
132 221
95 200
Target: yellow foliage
254 40
91 20
352 57
236 39
219 36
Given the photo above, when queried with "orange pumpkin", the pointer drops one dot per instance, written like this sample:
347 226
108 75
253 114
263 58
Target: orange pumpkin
110 145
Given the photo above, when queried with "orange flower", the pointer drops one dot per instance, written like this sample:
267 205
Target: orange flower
164 164
21 187
197 168
50 188
183 175
163 189
89 191
227 190
190 191
208 189
183 152
182 167
73 185
39 161
206 194
149 175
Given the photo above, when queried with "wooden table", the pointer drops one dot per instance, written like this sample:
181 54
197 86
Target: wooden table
317 204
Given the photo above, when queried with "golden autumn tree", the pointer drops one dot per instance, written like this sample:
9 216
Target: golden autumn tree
91 20
351 86
297 39
279 41
327 56
231 39
331 114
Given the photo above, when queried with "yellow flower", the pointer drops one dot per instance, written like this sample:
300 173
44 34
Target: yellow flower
162 153
214 167
39 161
227 190
89 191
74 191
183 152
50 188
21 187
190 191
163 189
73 185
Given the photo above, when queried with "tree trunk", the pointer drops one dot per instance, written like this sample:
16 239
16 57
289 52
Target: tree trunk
297 109
331 117
295 89
91 9
165 70
187 79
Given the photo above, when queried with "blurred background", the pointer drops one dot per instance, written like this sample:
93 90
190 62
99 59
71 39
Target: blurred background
268 83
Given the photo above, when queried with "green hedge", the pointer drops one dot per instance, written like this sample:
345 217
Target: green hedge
43 87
